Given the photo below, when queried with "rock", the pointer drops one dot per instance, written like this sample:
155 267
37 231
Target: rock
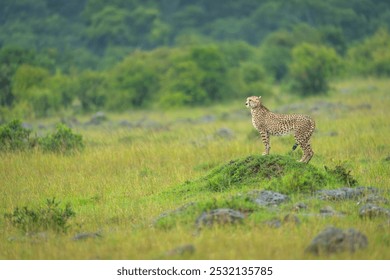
149 124
372 211
335 240
187 249
32 237
373 199
225 133
364 106
126 124
292 219
288 219
345 193
274 223
97 119
329 106
268 198
173 212
86 235
328 211
70 121
332 133
299 206
236 115
219 216
206 119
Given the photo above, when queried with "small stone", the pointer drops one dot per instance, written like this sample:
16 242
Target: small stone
335 240
328 211
371 211
291 218
187 249
273 223
220 216
97 118
373 199
225 133
86 235
126 124
299 206
268 198
173 212
207 119
345 193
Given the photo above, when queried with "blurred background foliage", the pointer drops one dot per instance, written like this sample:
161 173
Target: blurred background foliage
88 55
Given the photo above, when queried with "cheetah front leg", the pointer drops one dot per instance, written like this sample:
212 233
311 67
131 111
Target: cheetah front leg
265 139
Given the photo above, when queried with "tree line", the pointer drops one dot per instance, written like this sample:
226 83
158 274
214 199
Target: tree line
89 55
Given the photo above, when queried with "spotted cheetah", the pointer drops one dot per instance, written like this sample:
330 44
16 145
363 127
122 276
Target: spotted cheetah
269 123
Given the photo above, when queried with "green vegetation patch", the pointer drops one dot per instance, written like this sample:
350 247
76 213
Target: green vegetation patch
273 172
47 217
63 140
15 137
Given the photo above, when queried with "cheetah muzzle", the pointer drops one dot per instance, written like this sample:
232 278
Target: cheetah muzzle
269 123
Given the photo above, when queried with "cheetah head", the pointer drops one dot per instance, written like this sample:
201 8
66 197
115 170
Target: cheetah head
253 101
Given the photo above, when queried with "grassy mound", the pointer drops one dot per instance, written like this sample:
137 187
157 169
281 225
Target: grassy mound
274 172
230 186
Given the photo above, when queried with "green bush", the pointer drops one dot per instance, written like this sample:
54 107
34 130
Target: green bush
372 57
13 136
48 217
311 68
91 89
134 82
63 141
183 86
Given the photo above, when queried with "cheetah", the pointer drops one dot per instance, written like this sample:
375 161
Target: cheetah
269 123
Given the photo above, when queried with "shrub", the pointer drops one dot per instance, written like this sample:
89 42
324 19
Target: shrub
311 68
342 174
62 141
13 136
48 217
91 89
372 57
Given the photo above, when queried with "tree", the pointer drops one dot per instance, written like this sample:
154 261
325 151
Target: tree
183 87
276 53
29 85
91 90
311 68
372 56
10 59
211 61
135 80
109 26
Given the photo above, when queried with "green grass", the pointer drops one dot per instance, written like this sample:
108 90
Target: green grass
125 178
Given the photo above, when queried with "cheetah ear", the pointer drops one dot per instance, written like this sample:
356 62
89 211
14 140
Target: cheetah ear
259 97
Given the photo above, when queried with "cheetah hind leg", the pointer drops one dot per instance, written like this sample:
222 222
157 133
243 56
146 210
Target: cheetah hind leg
307 153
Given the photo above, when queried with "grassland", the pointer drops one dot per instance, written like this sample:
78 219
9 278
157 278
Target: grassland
124 179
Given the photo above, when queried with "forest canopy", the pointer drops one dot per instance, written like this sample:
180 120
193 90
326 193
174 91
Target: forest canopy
122 54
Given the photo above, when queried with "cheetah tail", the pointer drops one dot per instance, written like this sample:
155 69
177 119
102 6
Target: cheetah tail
295 146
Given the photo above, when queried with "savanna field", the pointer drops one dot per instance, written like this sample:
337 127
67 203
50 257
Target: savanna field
144 177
